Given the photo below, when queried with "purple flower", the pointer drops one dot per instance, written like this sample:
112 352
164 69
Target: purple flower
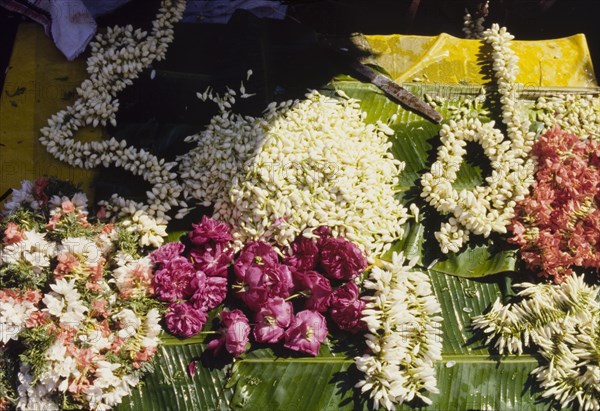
174 281
306 332
209 231
211 294
255 256
346 308
341 259
316 287
184 320
234 333
267 282
304 254
272 319
167 252
322 232
214 260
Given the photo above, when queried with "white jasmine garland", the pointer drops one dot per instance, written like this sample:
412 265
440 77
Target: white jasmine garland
118 57
473 28
304 164
488 208
562 322
404 335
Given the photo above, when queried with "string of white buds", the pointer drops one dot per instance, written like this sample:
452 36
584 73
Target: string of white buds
404 335
562 322
473 28
117 58
486 208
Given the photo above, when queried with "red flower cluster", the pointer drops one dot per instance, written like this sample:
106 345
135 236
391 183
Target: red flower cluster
558 226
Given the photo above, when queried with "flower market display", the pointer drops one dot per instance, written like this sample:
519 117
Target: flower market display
329 251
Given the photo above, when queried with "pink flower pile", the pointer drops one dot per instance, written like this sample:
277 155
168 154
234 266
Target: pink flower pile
287 296
193 279
558 226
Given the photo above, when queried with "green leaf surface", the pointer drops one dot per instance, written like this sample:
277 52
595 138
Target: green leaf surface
468 378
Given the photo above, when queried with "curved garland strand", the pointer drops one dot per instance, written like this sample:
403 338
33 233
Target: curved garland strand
488 208
118 57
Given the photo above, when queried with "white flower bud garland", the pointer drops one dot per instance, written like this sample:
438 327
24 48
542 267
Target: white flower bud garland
483 209
118 56
563 322
404 335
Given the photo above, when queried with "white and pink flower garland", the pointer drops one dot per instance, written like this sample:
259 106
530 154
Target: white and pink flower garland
77 303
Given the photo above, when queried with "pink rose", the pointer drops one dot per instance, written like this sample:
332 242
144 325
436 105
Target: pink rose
254 257
234 333
174 281
306 332
270 281
341 259
209 231
304 254
184 320
167 252
316 287
213 260
346 308
211 294
272 319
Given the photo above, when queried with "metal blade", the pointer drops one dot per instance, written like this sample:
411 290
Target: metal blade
397 92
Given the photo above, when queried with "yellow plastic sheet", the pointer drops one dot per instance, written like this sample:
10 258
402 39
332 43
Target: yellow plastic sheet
39 83
446 59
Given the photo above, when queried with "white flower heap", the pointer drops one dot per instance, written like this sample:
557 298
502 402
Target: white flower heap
405 336
117 58
563 323
78 299
488 208
303 165
575 114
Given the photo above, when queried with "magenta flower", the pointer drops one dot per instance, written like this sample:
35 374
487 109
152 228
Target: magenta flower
316 287
346 308
304 254
174 281
211 294
209 231
341 259
184 320
264 283
234 333
167 252
213 260
254 257
272 320
322 232
306 332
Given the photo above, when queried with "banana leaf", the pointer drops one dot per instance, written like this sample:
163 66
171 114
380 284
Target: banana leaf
469 377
